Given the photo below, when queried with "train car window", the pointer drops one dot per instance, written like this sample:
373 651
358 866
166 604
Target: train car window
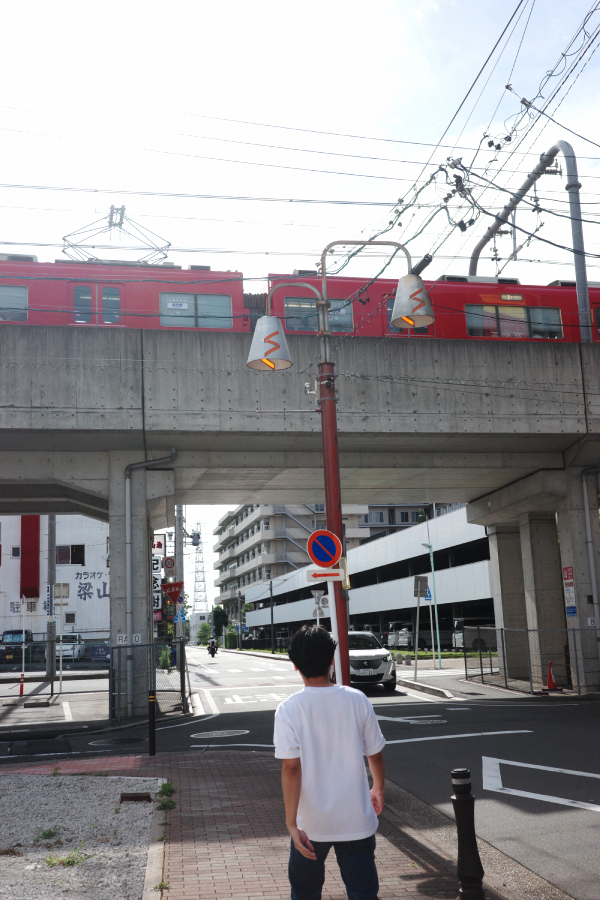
482 321
301 315
13 303
513 321
545 322
214 311
82 304
111 305
392 328
340 316
177 310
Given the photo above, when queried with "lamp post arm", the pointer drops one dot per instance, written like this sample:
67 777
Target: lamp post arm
357 244
302 284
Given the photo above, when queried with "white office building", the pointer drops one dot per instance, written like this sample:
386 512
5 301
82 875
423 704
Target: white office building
82 570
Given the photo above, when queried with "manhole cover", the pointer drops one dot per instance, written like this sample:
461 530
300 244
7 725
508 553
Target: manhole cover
216 734
123 740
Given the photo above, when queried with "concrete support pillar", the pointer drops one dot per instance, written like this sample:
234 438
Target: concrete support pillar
508 592
544 604
575 559
140 556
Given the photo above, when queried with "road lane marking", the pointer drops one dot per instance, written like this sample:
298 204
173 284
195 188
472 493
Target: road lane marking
236 671
492 781
189 722
252 687
204 746
447 737
197 704
210 700
67 711
405 718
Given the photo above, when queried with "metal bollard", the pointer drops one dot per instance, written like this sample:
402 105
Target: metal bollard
469 869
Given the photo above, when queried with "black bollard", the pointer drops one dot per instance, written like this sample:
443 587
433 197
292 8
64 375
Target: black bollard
469 869
152 723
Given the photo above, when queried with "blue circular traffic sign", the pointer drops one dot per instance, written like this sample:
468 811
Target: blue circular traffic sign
324 548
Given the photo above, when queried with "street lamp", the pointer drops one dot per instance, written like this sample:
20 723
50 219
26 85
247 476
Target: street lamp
437 624
269 351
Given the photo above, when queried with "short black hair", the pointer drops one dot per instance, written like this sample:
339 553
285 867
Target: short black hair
311 650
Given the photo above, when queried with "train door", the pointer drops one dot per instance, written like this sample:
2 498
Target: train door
96 304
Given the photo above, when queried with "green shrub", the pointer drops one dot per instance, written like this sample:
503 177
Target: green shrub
164 660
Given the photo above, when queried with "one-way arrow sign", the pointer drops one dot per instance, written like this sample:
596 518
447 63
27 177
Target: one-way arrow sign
313 575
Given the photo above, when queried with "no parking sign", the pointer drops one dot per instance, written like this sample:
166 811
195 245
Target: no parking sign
324 548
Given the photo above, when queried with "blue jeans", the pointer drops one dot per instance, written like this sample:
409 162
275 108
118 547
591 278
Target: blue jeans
356 860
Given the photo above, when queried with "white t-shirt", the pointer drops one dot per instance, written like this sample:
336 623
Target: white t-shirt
330 729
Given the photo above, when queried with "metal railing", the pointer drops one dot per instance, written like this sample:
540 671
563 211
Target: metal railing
519 659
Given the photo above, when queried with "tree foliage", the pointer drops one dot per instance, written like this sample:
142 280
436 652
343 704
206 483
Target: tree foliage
204 633
221 619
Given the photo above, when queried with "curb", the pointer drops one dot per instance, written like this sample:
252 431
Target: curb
425 688
156 853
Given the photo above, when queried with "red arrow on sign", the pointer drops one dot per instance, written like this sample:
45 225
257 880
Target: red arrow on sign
173 590
325 575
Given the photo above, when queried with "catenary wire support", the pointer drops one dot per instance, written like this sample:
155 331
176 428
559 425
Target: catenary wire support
572 186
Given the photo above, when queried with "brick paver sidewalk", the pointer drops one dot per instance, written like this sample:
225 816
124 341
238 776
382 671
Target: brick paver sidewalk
226 838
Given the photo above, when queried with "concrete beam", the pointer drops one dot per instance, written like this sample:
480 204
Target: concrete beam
541 492
41 498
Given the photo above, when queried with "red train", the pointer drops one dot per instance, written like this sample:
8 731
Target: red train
132 295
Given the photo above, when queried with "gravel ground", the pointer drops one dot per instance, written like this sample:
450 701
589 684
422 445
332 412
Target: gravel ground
110 839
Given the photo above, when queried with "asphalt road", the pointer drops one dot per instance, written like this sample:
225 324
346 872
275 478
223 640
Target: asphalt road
533 760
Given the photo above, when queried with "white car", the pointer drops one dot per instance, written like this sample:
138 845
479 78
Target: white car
73 647
370 662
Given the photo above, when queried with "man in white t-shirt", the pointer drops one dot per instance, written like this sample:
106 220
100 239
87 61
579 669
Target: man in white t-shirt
322 734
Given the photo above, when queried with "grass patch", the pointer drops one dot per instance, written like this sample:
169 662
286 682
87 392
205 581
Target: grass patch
166 803
48 833
56 770
161 886
166 789
73 858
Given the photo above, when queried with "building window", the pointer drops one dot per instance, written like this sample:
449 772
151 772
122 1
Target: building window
404 518
70 555
13 303
319 507
70 618
195 310
374 518
265 524
15 552
414 516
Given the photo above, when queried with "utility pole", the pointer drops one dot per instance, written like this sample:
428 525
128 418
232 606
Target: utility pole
239 620
51 626
179 629
272 625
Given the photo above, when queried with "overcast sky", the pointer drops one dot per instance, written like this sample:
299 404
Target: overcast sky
129 101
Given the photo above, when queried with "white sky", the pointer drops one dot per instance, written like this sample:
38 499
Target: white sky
118 97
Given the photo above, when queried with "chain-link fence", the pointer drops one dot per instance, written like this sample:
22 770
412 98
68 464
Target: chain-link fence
520 658
137 669
81 665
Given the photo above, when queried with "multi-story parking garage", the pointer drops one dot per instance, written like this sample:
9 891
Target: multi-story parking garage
382 577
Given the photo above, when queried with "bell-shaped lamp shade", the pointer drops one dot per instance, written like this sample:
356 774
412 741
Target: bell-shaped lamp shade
269 350
412 306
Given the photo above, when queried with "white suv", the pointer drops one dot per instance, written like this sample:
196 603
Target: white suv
73 647
370 662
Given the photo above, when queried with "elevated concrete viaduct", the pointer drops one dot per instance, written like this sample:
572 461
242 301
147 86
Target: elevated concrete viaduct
506 427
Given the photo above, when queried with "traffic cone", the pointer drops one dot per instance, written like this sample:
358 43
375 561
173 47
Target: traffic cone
22 683
552 685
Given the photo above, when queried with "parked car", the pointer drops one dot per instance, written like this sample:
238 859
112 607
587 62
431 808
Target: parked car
11 647
73 647
370 662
